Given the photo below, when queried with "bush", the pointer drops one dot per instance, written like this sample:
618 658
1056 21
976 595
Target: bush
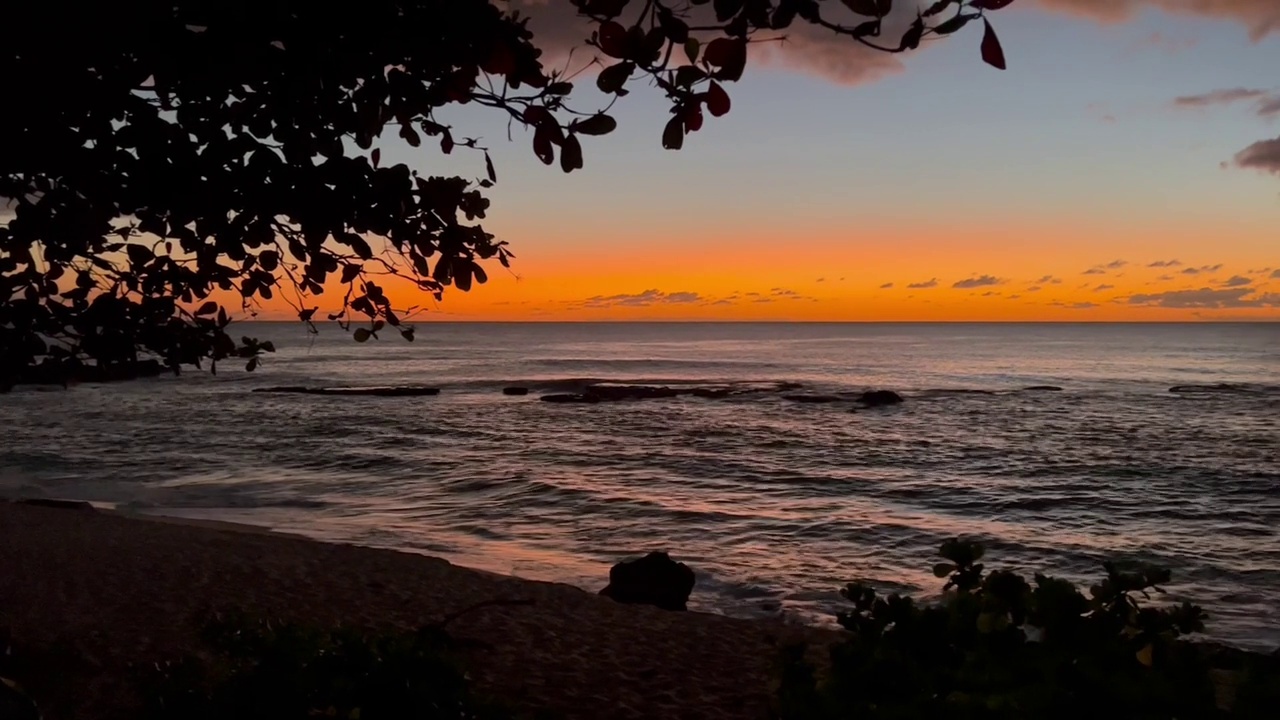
263 670
998 646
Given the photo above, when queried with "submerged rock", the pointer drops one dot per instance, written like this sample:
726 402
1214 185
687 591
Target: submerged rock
570 398
654 579
878 398
515 391
370 391
814 399
59 504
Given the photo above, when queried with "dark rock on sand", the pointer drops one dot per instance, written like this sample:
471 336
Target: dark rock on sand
654 579
515 391
1043 388
814 399
565 398
371 391
878 398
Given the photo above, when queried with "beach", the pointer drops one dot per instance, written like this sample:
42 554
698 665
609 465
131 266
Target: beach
100 591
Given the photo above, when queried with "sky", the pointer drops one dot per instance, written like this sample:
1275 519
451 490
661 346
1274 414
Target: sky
1125 167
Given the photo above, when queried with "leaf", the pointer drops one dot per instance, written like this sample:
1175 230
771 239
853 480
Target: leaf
673 134
571 154
446 142
306 313
252 364
938 7
693 117
1146 655
376 156
612 78
598 124
407 333
942 570
717 100
488 167
542 146
362 335
990 4
953 24
911 38
992 52
208 308
139 254
870 8
691 48
612 39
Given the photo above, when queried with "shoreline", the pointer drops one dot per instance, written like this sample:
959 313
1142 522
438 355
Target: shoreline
116 589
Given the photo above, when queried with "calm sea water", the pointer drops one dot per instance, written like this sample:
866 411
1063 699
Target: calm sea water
775 504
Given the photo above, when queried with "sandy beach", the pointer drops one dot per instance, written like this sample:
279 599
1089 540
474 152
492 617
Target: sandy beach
115 590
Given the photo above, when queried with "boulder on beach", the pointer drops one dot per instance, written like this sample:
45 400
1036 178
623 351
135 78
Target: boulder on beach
369 391
879 398
515 391
654 579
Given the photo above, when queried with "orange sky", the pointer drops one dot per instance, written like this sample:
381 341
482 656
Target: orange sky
1113 142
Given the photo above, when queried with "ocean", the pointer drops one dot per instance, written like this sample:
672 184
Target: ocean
775 504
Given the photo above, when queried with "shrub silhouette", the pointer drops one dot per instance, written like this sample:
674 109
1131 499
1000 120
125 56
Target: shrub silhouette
281 671
998 646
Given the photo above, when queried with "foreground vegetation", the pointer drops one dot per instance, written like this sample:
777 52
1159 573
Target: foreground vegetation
999 646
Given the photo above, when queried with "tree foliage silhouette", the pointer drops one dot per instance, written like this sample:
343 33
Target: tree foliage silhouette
161 159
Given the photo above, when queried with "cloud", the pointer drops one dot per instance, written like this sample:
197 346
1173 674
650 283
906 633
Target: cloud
1261 17
1075 305
887 286
1202 269
1034 288
1263 156
643 299
990 293
1275 275
1101 269
1207 298
1165 264
1220 97
1101 288
1270 106
1013 297
977 282
924 285
1049 280
822 279
1237 281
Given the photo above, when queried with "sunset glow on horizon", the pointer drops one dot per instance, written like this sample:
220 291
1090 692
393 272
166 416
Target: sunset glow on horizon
1120 170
